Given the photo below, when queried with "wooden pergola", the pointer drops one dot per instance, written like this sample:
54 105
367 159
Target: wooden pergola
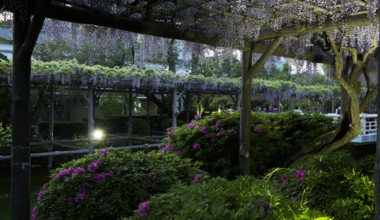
162 18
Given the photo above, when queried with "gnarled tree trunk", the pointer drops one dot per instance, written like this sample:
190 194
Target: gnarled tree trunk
350 126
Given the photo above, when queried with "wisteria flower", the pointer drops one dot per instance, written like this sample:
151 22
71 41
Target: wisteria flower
300 174
144 209
190 125
178 153
283 179
70 201
198 178
196 145
257 129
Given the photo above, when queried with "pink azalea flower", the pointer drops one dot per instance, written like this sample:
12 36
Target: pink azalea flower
105 152
83 188
170 130
300 174
257 129
40 196
215 119
93 167
198 178
283 179
35 213
276 125
45 186
144 209
81 196
184 130
222 133
79 171
178 153
190 125
110 173
268 123
170 136
70 201
152 176
196 145
234 133
63 173
217 124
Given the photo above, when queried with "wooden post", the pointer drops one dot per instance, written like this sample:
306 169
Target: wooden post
333 105
51 126
187 107
90 119
377 162
147 106
174 108
130 103
245 115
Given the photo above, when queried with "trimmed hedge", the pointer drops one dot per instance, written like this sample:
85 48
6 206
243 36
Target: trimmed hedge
140 127
64 129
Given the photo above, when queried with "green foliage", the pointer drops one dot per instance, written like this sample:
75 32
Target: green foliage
64 129
216 102
126 183
167 123
139 126
270 147
337 182
217 198
5 135
114 104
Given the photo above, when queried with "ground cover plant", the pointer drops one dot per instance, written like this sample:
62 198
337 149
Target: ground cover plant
214 140
218 198
110 185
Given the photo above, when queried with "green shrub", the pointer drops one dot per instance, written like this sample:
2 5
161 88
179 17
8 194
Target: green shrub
336 182
5 135
218 137
64 129
116 184
168 123
139 127
217 198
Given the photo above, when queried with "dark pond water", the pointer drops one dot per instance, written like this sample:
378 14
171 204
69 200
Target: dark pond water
39 176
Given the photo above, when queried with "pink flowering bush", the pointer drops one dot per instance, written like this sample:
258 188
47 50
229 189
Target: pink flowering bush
217 198
334 182
272 143
110 184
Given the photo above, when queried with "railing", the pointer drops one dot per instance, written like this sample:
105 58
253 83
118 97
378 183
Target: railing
368 122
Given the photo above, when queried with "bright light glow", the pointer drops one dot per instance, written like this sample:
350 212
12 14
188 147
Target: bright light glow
98 134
